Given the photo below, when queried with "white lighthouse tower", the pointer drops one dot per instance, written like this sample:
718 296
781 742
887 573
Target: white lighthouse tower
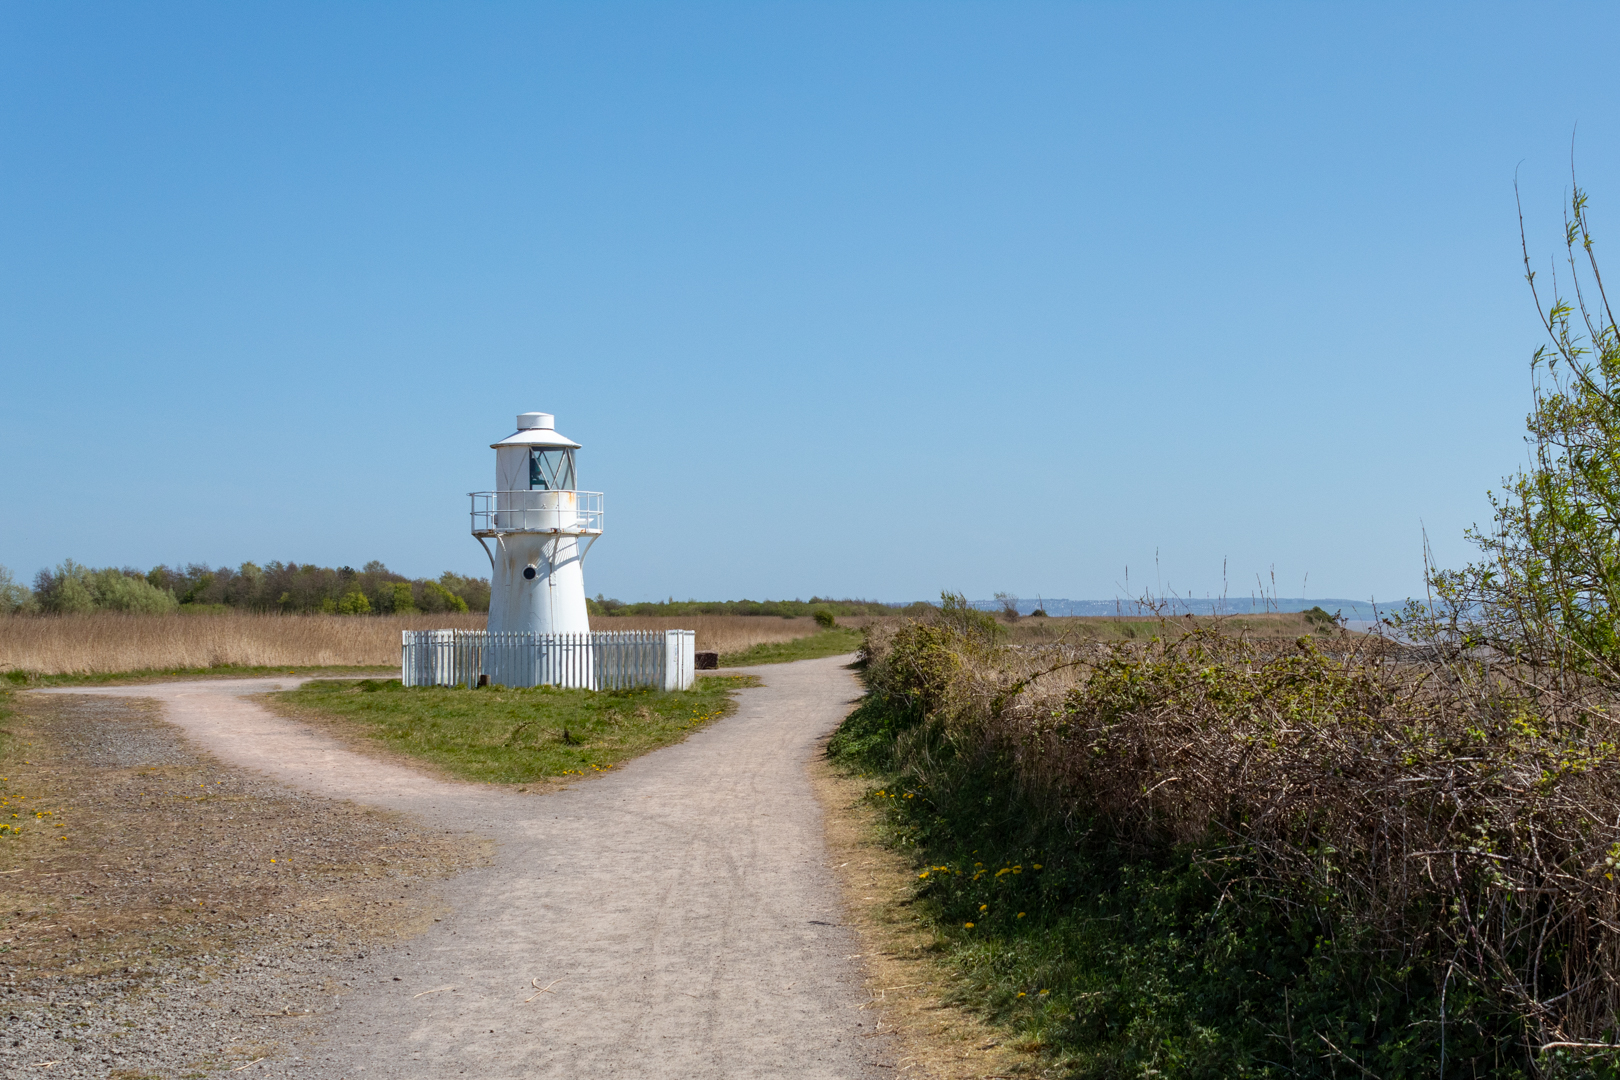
536 527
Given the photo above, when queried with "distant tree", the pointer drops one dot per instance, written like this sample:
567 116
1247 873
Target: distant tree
1009 606
75 589
287 587
436 597
473 591
15 597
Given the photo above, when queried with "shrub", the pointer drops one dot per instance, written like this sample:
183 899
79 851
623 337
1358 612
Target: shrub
354 602
825 619
1211 854
404 602
1547 586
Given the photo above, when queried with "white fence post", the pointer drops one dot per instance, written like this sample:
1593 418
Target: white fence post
678 659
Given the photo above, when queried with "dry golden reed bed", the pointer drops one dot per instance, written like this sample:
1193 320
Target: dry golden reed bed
722 633
118 641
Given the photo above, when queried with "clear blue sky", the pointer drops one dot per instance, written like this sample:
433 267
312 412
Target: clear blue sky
865 299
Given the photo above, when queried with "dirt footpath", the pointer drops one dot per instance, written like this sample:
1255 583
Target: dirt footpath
673 918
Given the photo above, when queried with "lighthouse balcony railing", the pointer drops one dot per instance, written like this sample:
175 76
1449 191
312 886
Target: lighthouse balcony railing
567 513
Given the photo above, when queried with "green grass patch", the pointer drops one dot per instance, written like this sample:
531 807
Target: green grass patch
515 736
29 679
834 642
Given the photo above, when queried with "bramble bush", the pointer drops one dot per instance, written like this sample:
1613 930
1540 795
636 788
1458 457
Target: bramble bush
1202 856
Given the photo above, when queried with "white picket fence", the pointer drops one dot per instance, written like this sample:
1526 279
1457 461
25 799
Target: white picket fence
614 660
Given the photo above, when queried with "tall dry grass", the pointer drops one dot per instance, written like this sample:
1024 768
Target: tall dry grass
119 641
721 633
111 641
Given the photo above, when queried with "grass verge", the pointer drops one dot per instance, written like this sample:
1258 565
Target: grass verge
907 973
511 736
834 642
28 680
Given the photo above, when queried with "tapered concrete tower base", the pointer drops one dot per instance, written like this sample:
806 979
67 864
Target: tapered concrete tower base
553 600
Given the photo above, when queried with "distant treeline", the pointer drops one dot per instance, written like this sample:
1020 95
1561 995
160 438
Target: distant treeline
304 588
787 609
293 588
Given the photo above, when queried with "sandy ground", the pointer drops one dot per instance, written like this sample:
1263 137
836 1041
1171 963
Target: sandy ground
673 918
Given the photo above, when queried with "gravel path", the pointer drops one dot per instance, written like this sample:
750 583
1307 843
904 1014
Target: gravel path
672 918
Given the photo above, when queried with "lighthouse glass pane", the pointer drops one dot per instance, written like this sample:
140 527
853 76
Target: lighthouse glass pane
551 470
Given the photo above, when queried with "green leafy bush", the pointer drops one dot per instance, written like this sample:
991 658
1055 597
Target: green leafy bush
1546 588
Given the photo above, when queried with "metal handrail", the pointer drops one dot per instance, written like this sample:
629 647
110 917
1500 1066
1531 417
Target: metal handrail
563 513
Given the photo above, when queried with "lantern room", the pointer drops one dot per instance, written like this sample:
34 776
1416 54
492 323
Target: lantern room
536 457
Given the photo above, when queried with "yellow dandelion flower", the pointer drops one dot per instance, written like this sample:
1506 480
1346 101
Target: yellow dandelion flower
967 926
1020 914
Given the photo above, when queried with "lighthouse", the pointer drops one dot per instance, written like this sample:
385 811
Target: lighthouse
536 527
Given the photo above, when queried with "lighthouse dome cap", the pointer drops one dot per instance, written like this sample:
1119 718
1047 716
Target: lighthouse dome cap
536 429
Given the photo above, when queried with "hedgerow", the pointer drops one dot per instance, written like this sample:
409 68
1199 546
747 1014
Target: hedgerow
1205 856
